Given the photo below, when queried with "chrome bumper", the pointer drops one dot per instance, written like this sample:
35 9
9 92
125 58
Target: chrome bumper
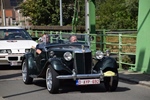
11 59
80 76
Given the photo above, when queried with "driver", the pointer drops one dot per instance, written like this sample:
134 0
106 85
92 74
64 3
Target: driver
6 36
45 41
73 38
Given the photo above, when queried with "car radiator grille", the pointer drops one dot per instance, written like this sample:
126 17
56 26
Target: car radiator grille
13 58
83 63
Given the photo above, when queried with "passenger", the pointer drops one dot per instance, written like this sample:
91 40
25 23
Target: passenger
73 38
45 41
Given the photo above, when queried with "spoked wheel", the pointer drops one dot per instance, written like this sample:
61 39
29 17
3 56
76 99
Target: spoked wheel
111 83
25 74
52 82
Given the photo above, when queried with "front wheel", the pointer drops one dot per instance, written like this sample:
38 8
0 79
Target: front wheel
52 82
25 74
111 83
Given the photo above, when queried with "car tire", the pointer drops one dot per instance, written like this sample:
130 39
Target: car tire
52 82
111 83
25 73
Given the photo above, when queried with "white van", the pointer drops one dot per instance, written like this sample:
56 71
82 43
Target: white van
14 43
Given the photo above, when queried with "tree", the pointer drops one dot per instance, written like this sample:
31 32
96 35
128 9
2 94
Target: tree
46 12
116 14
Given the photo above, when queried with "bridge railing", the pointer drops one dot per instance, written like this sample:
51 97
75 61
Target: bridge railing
121 43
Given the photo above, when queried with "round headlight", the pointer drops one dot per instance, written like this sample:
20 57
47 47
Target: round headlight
99 54
67 56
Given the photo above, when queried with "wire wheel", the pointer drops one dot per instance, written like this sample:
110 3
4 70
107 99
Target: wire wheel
52 82
25 74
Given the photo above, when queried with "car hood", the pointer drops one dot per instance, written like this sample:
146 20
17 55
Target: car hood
17 44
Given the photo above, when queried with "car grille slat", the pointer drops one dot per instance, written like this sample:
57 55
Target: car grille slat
83 63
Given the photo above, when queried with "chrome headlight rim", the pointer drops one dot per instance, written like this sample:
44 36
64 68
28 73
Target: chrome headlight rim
67 56
99 55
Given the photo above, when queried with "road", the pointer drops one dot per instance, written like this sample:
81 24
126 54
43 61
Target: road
12 88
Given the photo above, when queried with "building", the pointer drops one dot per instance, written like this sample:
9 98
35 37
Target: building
9 14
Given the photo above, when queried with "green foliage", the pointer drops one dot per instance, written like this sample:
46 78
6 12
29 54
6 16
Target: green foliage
46 12
116 14
110 14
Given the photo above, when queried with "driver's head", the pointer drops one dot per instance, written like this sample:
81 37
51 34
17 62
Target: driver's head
46 38
73 38
6 34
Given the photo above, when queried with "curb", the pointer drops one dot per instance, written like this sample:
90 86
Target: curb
134 80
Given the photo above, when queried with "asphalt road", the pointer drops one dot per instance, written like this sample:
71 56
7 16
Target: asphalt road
12 88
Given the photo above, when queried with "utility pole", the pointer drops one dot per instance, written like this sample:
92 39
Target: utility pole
2 13
61 16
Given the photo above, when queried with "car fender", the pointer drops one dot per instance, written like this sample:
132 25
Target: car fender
30 62
57 64
106 62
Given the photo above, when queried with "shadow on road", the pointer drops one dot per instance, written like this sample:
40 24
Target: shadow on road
69 86
5 67
9 76
8 96
9 72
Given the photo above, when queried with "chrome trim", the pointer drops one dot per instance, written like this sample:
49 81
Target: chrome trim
79 76
75 76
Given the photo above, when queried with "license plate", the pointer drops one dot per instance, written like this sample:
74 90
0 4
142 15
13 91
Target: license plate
87 81
13 63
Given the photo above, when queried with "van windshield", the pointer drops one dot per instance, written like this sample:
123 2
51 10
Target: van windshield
14 34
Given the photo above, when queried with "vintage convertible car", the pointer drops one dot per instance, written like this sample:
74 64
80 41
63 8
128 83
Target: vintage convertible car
70 61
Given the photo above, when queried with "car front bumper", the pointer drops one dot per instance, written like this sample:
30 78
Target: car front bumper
11 59
100 75
80 76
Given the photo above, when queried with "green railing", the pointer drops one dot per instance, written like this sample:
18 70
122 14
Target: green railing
120 43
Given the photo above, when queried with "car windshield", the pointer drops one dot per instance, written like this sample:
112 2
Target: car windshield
65 38
14 34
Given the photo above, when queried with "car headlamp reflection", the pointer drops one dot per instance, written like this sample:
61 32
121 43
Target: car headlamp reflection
67 56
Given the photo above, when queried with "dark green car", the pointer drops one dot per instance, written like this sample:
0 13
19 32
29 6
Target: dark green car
70 61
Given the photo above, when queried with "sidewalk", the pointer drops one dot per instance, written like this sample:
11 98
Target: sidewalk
136 77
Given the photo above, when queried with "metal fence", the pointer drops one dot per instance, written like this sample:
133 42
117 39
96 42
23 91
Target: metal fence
121 43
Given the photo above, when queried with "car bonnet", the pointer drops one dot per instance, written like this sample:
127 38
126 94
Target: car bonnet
17 44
